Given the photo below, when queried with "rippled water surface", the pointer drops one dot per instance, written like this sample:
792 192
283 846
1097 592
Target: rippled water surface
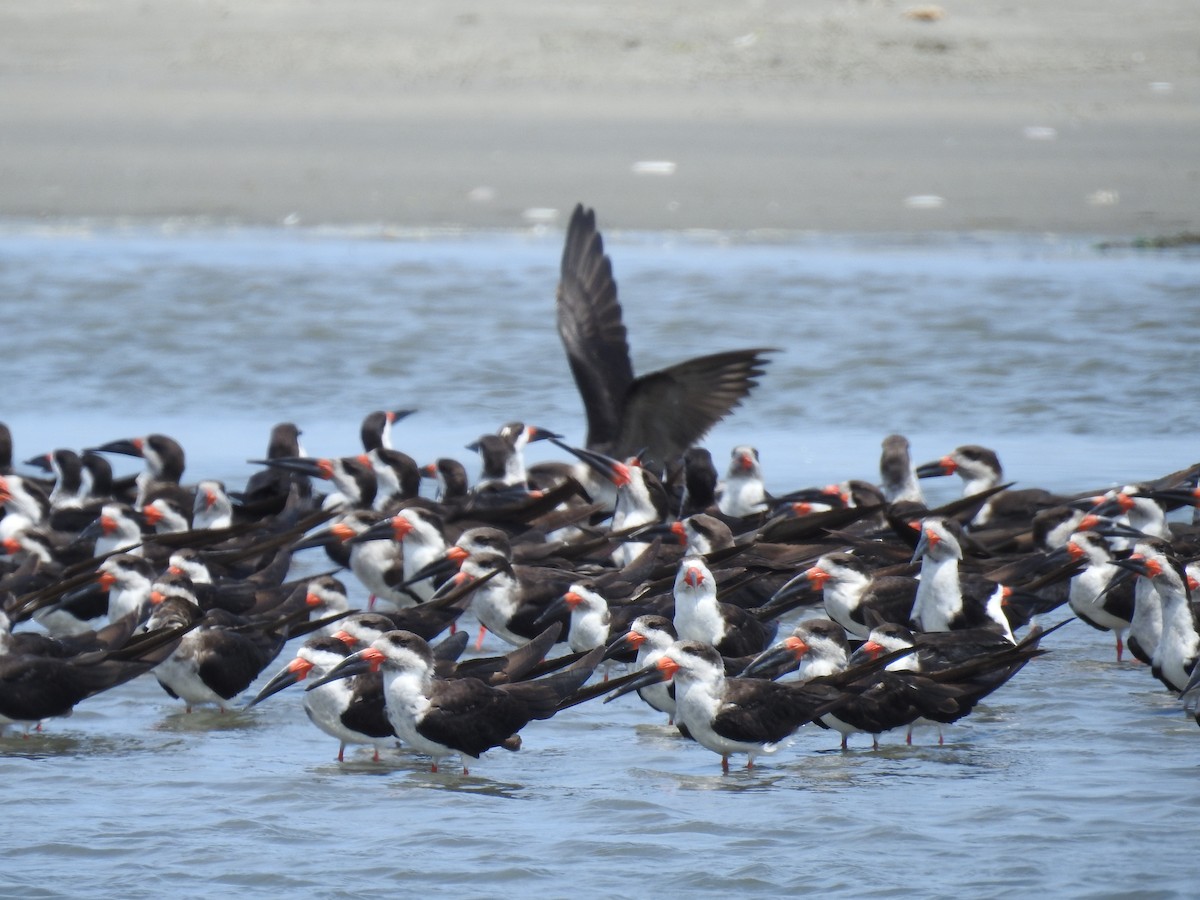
1078 365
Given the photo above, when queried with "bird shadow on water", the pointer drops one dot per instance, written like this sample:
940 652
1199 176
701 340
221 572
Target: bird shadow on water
208 720
64 745
456 782
412 773
834 768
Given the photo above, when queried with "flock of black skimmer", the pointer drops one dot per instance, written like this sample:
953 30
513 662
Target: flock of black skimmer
632 549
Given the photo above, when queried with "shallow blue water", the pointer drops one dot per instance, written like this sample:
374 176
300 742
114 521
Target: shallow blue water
1076 364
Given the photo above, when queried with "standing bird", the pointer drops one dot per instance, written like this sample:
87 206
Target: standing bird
650 637
945 598
656 416
1093 596
1178 647
439 717
218 659
351 710
731 715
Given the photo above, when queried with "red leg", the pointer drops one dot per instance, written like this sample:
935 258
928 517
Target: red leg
479 640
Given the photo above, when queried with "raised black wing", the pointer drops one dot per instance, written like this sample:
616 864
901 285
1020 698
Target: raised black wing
668 411
593 335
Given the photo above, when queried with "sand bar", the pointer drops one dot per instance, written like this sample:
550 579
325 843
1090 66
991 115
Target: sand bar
834 115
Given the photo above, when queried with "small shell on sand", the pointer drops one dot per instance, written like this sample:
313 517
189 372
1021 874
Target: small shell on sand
654 167
928 12
924 201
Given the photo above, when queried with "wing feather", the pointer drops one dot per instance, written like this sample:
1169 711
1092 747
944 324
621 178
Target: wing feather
670 410
589 323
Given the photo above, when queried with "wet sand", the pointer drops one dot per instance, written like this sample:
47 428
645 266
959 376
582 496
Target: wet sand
838 115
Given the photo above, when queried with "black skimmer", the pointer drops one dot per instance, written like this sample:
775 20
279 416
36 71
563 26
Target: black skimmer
659 415
875 702
71 506
376 429
120 586
37 687
503 456
593 621
24 502
649 636
641 500
814 649
1146 626
944 599
267 491
117 529
742 493
378 564
524 661
980 470
353 478
439 717
213 508
164 464
128 580
731 715
165 516
351 710
699 487
898 475
1131 507
219 658
420 538
590 621
981 661
853 595
509 601
1178 647
451 476
699 616
1093 596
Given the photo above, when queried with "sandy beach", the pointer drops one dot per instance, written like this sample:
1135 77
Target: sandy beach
1081 116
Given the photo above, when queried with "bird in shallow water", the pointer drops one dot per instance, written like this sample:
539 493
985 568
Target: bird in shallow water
439 717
